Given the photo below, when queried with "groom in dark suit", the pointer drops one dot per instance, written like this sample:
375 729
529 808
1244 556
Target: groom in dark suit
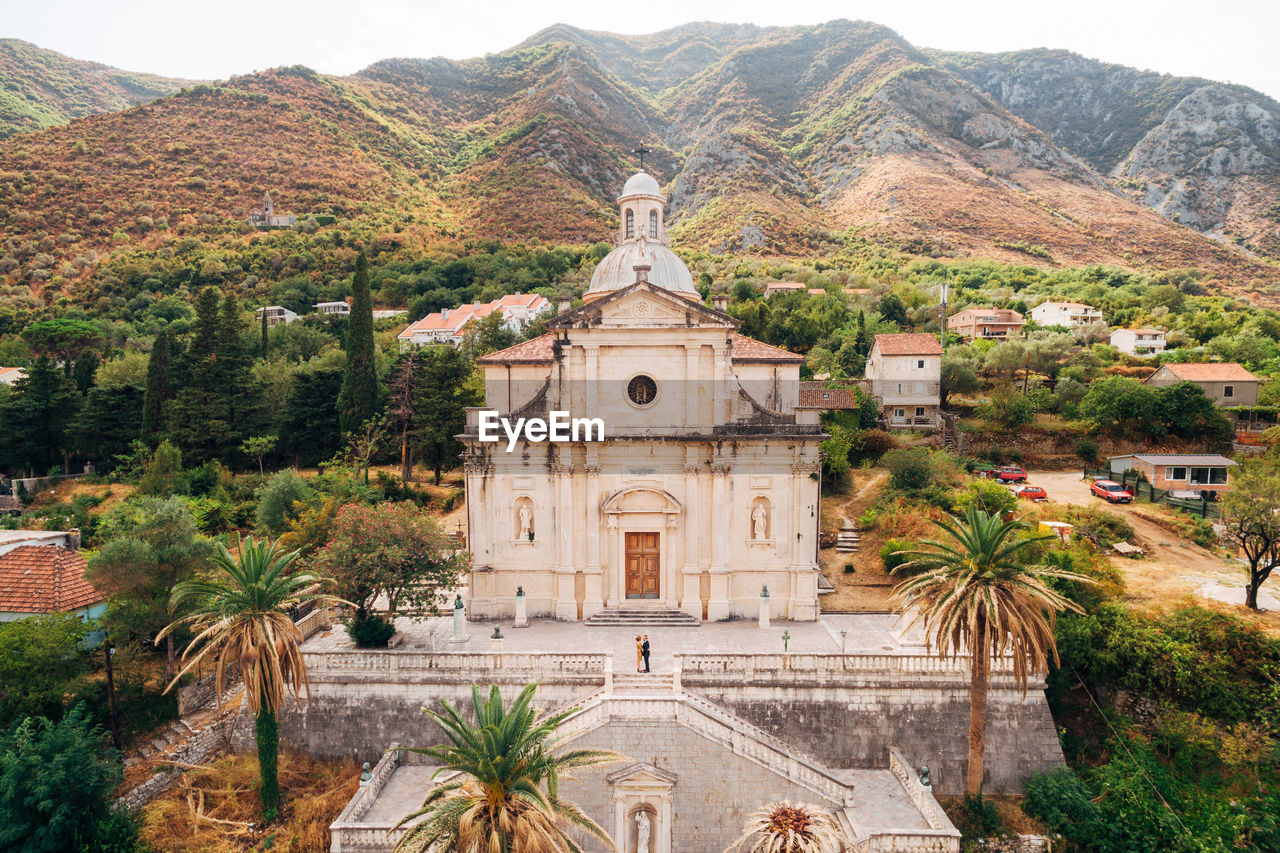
644 652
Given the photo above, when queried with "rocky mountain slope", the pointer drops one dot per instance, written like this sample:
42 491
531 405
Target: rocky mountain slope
1203 153
773 140
42 88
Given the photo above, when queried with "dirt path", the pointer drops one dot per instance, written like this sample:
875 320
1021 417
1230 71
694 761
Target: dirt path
1174 571
867 587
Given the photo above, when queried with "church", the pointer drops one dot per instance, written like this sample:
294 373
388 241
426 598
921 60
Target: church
702 497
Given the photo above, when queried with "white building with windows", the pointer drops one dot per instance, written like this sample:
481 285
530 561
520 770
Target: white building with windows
704 490
448 326
276 315
1072 315
340 309
1139 341
904 373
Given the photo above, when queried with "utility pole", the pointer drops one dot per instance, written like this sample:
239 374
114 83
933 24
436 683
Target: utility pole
108 651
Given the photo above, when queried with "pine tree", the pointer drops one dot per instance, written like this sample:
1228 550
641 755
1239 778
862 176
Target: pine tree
264 333
204 331
158 368
358 401
35 416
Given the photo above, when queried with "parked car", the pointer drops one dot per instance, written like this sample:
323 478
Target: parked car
1011 474
1031 493
1112 491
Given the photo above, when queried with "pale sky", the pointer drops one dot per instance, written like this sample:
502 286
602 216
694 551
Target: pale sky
1231 40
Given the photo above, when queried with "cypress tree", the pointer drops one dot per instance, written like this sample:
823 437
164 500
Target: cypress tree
358 400
264 333
158 367
204 331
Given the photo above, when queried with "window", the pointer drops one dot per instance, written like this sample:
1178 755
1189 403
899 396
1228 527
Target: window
631 223
920 364
1228 390
899 387
919 411
1175 473
899 413
1208 476
653 224
642 390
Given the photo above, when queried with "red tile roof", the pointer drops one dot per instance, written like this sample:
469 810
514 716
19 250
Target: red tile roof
45 579
1220 372
826 398
533 351
749 349
912 344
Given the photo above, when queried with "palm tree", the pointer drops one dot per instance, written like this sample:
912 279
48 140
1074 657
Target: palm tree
976 596
241 616
497 803
785 827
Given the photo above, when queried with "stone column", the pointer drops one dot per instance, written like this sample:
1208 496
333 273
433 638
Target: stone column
691 574
566 604
594 597
613 594
721 529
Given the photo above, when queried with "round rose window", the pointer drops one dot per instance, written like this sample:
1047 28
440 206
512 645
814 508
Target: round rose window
642 390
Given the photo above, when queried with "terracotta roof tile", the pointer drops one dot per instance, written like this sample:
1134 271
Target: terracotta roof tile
826 398
44 579
534 351
749 349
910 344
1218 372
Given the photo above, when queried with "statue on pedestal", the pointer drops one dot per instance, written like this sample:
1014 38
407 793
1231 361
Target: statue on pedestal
642 831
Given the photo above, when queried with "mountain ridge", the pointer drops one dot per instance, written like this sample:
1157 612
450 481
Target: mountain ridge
782 140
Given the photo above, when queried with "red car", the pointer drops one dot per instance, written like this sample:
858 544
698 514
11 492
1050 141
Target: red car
1112 491
1032 493
1011 474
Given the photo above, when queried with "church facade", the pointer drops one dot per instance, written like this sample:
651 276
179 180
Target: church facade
702 496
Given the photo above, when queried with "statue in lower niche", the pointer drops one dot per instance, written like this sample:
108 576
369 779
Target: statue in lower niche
526 521
759 522
642 831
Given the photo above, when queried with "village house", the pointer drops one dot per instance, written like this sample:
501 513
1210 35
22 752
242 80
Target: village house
1072 315
1138 341
41 579
339 309
265 216
904 372
1178 472
1225 383
448 326
276 315
990 323
10 375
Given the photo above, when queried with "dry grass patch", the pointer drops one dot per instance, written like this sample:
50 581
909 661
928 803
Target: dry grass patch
210 810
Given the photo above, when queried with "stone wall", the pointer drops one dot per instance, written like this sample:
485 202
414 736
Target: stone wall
851 718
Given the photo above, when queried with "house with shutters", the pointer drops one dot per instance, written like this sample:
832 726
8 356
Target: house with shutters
990 323
904 373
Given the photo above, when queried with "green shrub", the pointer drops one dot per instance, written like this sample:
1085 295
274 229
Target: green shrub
989 495
976 817
909 468
888 554
279 499
1097 525
369 630
1064 802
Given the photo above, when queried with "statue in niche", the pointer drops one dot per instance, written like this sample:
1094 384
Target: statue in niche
759 522
526 521
642 831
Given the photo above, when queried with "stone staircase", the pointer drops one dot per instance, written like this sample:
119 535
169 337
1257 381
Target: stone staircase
643 618
643 682
848 539
950 434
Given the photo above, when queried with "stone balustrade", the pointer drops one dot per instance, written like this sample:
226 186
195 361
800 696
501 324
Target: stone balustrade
409 666
909 841
920 795
784 668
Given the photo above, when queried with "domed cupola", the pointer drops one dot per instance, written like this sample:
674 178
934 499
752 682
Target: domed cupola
641 241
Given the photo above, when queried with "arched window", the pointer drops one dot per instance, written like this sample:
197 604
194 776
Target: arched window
631 223
653 224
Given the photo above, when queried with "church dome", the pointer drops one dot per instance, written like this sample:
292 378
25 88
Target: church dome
641 241
666 270
641 183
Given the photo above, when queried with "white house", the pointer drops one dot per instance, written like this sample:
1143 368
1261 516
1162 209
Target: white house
1138 341
448 326
10 375
905 373
276 315
338 308
1069 314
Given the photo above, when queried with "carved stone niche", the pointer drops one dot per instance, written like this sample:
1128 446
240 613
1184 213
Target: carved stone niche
643 788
